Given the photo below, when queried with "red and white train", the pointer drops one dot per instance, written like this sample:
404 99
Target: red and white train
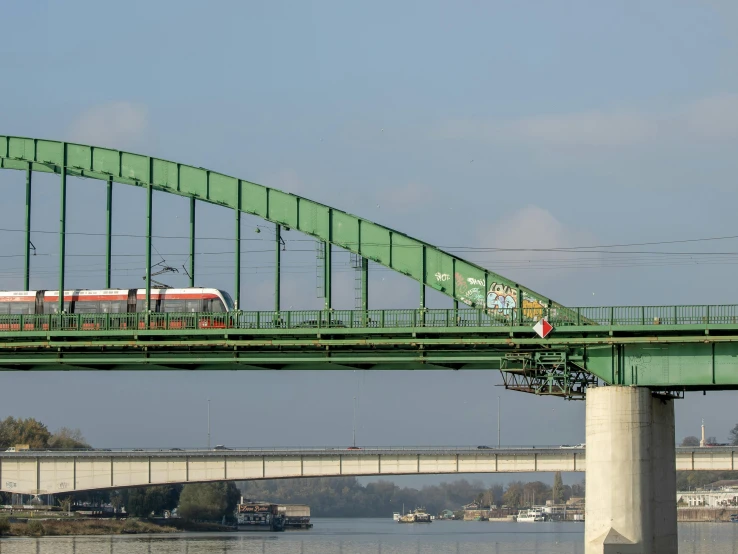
116 301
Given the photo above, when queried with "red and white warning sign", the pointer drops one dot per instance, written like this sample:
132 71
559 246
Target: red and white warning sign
543 328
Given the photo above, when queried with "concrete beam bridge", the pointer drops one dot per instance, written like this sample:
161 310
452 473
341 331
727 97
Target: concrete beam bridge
64 472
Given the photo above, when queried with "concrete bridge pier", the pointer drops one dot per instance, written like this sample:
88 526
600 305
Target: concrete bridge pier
631 473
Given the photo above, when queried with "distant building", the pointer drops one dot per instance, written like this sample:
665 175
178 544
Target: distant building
721 498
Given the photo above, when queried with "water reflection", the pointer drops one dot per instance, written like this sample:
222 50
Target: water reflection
247 545
371 537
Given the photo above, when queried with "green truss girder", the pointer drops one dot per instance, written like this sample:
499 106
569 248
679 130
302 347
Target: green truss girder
453 276
675 359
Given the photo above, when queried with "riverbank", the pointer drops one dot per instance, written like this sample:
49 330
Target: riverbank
707 515
69 527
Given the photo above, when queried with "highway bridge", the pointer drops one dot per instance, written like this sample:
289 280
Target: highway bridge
50 472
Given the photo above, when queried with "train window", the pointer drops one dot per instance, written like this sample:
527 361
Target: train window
113 307
155 305
173 306
193 305
87 307
21 307
228 301
4 307
214 305
53 307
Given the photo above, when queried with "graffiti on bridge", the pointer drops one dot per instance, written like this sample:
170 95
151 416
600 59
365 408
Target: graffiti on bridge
497 299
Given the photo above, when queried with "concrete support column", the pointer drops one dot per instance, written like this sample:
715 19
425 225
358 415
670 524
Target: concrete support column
631 473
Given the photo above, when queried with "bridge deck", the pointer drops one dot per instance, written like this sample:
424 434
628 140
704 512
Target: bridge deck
59 472
668 347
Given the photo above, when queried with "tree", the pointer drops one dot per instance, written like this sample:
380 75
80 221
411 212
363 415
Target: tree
690 441
558 488
711 440
65 503
67 439
116 501
497 492
514 494
733 437
535 492
142 501
208 501
23 431
578 489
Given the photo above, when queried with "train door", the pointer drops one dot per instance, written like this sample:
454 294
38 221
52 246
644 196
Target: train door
38 310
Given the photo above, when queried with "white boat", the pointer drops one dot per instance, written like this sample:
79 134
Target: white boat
396 516
418 516
530 516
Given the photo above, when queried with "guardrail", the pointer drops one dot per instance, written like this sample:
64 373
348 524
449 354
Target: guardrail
377 319
280 449
332 449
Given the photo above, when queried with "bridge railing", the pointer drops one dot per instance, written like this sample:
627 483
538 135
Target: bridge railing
381 319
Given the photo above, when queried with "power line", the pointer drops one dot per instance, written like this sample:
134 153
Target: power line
462 248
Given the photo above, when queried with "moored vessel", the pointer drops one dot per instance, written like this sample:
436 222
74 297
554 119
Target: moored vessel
258 516
531 515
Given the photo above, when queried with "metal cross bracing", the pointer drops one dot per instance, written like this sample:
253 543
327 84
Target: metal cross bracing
664 347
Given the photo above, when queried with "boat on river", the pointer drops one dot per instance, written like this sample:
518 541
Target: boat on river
530 516
259 516
418 516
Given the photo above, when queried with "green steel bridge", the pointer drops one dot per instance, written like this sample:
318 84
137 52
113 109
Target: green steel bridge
665 348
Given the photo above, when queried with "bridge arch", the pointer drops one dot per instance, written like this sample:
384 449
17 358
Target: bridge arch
461 280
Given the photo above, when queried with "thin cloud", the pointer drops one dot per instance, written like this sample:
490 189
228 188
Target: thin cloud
116 125
406 198
714 117
286 180
532 227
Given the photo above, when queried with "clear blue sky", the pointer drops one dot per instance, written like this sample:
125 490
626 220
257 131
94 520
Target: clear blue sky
510 124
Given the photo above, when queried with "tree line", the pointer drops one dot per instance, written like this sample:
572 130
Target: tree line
347 497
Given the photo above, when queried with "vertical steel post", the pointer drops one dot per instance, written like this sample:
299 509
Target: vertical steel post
192 242
237 284
149 195
498 422
364 284
327 274
62 227
27 276
108 234
278 268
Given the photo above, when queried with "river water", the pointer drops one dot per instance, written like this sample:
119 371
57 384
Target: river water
376 536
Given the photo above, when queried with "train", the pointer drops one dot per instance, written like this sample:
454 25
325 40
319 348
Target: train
116 301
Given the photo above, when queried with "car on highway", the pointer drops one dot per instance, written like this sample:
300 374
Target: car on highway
354 448
221 447
569 446
484 447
